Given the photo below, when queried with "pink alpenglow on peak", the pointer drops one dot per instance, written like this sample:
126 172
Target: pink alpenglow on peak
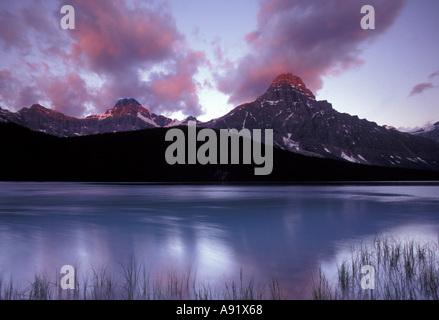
124 107
294 81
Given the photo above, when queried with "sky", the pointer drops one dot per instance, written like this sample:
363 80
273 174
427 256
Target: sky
204 57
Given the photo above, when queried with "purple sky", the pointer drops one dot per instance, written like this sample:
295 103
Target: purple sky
202 58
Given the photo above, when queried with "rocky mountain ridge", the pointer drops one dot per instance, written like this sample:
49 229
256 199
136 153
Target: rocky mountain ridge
300 123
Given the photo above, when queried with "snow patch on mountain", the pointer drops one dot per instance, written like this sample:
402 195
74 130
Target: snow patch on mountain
147 120
361 157
349 158
174 123
291 144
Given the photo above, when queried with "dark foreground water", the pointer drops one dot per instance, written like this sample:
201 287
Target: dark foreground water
283 232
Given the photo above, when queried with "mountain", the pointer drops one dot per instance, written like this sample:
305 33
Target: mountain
161 120
126 115
138 156
38 118
429 132
303 125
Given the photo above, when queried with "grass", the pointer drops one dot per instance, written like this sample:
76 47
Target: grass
404 270
135 283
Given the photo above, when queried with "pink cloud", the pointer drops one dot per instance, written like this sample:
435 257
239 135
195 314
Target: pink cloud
110 36
420 88
307 38
15 95
434 75
116 42
178 90
68 93
12 31
24 24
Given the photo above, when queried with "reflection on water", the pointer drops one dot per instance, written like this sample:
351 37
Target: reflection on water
285 232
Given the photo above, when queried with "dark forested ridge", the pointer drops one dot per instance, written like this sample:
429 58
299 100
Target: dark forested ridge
139 156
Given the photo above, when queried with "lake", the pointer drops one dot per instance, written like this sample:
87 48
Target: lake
281 231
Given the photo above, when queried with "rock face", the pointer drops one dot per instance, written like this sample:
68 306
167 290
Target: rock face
39 118
303 125
161 121
125 107
127 115
293 81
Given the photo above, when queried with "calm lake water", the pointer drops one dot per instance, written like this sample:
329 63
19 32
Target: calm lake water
283 232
